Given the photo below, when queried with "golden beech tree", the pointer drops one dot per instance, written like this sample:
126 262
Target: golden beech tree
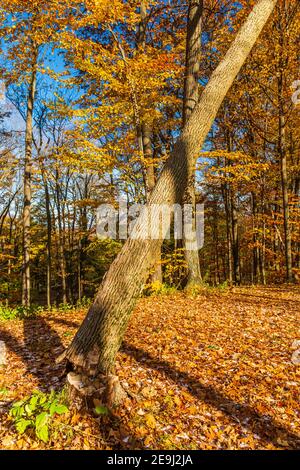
26 28
264 122
93 351
137 106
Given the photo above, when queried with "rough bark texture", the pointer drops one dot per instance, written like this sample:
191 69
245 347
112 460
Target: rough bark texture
193 56
94 348
191 97
148 156
146 139
284 181
156 270
27 183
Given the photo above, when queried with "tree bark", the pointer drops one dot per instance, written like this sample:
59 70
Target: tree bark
49 234
26 283
225 188
284 182
255 251
146 135
61 242
94 347
191 97
282 148
234 223
235 238
156 275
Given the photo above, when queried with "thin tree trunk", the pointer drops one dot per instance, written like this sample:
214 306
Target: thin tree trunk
255 251
60 241
234 224
235 239
263 247
49 235
79 278
94 348
26 282
191 97
229 248
282 148
284 183
83 242
226 198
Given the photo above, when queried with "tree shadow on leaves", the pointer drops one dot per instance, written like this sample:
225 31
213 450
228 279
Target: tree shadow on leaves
38 351
263 425
266 301
40 347
62 321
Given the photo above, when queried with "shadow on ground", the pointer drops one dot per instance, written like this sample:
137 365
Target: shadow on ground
42 345
264 426
39 349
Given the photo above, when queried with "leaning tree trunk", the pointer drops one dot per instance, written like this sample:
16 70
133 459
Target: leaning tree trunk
156 274
146 132
93 350
27 183
190 99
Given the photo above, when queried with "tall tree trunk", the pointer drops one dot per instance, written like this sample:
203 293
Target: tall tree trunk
94 348
191 97
26 282
150 184
255 251
225 188
284 182
146 135
234 223
83 242
235 239
60 242
263 245
215 236
282 148
79 268
49 235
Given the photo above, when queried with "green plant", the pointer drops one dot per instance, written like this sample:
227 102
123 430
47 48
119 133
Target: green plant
68 333
66 307
101 410
20 312
84 302
223 285
38 412
7 313
203 288
193 290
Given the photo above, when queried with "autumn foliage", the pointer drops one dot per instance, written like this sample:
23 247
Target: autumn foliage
92 103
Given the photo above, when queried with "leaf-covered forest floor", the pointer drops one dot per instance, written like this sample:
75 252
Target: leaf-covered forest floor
207 372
